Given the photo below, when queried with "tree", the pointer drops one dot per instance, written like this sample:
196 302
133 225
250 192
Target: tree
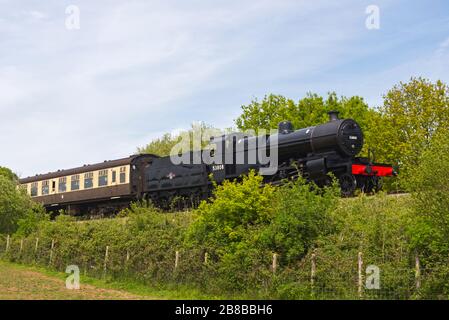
309 111
160 146
266 114
8 174
14 205
17 210
411 113
195 138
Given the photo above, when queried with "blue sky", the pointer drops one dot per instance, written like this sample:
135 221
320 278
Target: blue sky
137 69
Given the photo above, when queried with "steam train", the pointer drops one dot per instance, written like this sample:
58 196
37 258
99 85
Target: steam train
313 153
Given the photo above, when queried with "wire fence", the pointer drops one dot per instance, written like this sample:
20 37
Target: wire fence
310 278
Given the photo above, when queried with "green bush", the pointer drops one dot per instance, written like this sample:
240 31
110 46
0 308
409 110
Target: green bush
302 216
429 230
235 208
17 210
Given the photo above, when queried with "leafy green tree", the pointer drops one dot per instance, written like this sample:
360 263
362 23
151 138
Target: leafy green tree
14 205
17 210
161 146
8 174
266 114
309 111
193 139
411 113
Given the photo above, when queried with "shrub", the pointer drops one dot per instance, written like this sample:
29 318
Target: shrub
16 207
302 215
430 186
233 210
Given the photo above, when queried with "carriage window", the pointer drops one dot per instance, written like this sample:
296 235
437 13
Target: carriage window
62 186
45 187
75 182
122 174
34 189
88 180
103 178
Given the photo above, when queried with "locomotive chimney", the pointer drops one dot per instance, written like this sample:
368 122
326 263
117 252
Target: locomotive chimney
285 127
333 115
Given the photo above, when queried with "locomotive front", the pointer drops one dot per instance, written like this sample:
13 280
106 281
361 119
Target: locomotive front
343 136
331 147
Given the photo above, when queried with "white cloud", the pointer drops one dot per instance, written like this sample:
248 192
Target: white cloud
36 14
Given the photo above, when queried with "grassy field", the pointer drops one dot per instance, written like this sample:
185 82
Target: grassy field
27 283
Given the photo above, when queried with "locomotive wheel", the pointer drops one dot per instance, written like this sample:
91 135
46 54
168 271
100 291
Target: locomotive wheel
366 185
378 184
348 184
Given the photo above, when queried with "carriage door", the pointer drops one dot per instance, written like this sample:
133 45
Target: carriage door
53 186
114 177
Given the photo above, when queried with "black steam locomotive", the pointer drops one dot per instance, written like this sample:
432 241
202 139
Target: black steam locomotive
312 152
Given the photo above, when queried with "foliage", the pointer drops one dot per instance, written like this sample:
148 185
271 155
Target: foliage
297 222
266 114
302 216
161 146
194 139
15 206
234 209
429 182
411 113
29 223
375 227
6 172
309 111
246 222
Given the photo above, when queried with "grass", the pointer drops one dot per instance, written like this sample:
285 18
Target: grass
25 283
20 282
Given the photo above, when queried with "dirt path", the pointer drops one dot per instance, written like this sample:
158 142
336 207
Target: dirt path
17 282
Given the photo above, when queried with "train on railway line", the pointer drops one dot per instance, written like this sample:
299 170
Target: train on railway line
313 152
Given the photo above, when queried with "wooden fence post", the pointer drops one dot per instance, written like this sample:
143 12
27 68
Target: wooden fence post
106 255
36 245
8 239
313 270
417 273
21 246
176 259
275 262
51 251
127 255
360 275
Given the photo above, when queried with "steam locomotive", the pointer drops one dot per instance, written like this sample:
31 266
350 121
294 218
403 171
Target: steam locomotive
311 152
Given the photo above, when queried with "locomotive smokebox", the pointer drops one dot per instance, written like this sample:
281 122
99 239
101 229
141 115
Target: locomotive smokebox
285 127
333 115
